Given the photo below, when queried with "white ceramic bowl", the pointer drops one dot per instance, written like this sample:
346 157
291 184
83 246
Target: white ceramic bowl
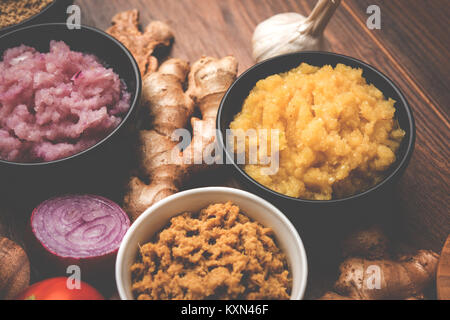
158 215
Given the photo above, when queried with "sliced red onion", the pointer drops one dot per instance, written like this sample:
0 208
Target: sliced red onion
79 226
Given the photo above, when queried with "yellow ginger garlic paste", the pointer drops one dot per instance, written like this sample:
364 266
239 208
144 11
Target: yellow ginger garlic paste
337 134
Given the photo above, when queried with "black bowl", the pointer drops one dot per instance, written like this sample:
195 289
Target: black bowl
54 12
100 168
321 217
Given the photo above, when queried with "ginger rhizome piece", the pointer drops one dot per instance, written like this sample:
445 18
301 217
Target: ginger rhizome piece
14 269
165 100
405 278
125 28
209 79
170 108
370 273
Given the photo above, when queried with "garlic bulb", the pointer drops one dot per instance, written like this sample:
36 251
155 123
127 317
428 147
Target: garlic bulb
291 32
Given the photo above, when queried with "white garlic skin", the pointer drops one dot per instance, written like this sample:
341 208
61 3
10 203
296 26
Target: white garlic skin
284 33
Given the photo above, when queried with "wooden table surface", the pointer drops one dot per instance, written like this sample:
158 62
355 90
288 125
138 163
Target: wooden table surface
412 48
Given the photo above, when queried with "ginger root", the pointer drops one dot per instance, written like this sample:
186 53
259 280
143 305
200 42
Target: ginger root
369 273
162 163
125 28
209 79
14 269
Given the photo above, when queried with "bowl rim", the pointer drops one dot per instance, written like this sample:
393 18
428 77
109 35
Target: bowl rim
119 267
401 165
133 103
22 23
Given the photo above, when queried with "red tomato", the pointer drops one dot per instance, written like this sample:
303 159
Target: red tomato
57 289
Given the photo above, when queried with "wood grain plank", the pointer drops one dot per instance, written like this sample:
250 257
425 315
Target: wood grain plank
412 48
412 32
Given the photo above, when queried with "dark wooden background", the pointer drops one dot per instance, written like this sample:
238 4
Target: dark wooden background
412 48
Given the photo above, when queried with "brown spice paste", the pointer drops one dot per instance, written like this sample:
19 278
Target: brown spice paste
217 253
16 11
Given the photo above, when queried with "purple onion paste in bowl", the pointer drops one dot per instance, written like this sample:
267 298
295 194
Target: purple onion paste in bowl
54 105
69 113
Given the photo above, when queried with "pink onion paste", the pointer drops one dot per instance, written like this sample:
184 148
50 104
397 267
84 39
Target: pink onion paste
56 104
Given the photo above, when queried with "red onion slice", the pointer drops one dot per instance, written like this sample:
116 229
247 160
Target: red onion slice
79 226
